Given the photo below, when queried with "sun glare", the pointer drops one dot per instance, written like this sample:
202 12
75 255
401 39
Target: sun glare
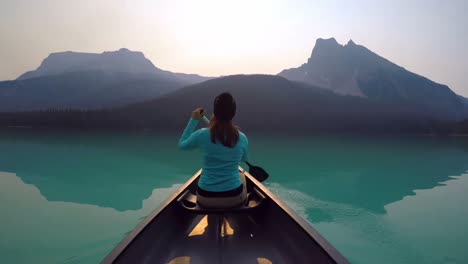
220 31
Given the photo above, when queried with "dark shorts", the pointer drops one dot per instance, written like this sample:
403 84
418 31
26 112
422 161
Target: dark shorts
227 199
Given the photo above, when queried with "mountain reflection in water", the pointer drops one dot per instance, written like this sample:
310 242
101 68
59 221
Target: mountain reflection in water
70 197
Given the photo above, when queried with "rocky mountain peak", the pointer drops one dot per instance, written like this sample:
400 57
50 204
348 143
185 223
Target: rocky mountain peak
325 46
122 60
354 70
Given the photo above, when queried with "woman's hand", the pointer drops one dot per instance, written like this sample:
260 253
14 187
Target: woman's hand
197 113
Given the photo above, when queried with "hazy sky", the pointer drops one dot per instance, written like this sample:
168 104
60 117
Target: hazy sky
215 37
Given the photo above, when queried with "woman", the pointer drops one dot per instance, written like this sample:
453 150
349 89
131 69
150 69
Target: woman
220 184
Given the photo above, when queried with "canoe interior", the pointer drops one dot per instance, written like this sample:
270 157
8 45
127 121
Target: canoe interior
267 234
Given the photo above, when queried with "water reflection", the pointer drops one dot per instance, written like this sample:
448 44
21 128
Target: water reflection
398 198
434 220
428 226
117 171
120 170
35 230
365 173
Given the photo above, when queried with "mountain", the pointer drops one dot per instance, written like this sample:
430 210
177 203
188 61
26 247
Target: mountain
464 100
82 90
121 61
265 103
354 70
90 81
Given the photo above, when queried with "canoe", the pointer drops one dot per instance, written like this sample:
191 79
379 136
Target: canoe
264 230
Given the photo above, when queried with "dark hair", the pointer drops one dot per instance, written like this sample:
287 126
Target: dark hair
221 127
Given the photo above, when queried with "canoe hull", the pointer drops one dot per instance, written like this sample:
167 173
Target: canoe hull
272 233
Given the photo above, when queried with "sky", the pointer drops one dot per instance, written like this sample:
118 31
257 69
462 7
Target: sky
216 37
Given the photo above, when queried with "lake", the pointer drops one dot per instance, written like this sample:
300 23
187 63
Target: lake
69 197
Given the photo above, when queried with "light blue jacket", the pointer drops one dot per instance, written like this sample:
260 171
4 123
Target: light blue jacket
220 164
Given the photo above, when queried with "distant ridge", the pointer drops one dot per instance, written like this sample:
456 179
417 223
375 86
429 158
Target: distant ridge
340 88
353 69
464 100
267 103
120 61
90 81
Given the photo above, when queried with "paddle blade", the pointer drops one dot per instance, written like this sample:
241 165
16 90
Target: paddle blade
258 173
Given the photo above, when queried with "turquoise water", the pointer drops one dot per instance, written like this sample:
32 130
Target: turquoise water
70 197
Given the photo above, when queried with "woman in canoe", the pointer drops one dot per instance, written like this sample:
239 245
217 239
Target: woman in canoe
224 146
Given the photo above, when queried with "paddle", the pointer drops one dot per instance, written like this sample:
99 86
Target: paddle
257 172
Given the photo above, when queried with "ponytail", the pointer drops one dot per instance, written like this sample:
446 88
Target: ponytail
224 132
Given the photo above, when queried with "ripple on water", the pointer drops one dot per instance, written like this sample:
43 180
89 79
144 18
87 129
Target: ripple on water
349 228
